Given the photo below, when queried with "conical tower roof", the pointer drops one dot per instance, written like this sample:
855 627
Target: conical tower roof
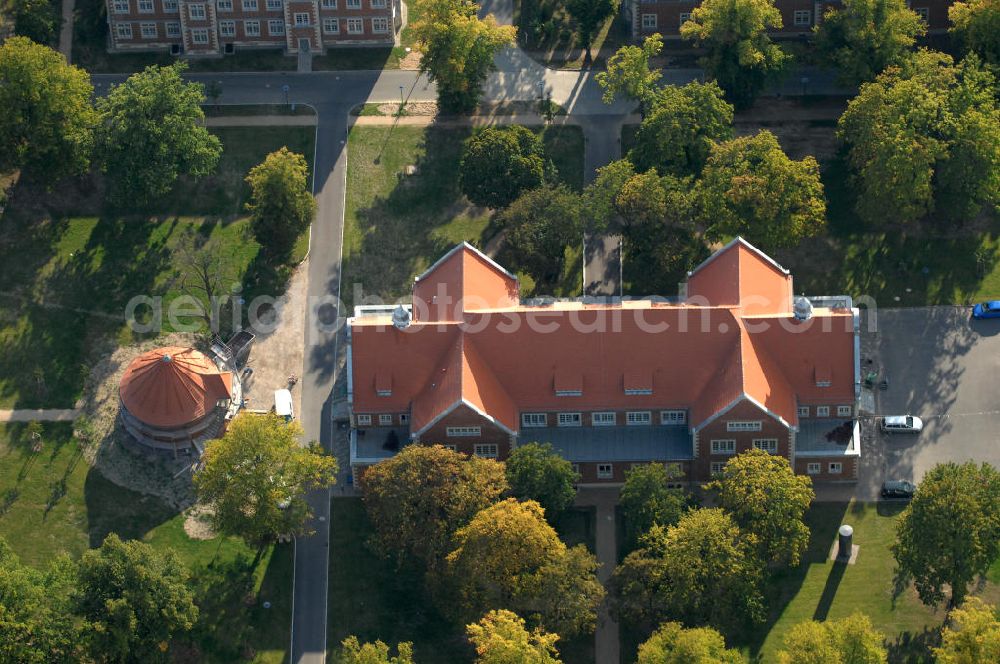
173 386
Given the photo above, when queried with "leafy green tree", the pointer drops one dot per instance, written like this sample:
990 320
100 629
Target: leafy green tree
924 137
256 478
699 571
508 557
134 599
677 134
976 23
540 225
281 206
36 19
768 500
536 472
458 49
354 652
502 638
589 16
750 187
151 134
646 500
972 635
642 202
866 36
950 532
36 621
47 122
600 197
501 163
852 640
628 73
740 55
418 499
672 643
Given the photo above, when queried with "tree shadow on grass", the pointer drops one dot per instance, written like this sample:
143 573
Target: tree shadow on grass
914 647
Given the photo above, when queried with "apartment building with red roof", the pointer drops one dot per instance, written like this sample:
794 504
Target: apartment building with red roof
738 361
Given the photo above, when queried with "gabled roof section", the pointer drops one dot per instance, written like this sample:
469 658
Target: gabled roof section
740 275
748 373
462 378
464 279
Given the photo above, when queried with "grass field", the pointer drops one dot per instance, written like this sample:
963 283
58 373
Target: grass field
396 225
371 599
54 502
547 30
68 266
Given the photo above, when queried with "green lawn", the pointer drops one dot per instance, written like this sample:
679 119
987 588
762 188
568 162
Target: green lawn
54 502
371 599
69 266
396 225
547 30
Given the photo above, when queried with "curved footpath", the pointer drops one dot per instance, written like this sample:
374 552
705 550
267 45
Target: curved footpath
333 94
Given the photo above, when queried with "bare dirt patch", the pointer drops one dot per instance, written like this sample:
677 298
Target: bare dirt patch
197 523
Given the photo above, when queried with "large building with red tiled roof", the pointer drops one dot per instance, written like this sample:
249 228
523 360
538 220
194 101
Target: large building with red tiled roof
736 362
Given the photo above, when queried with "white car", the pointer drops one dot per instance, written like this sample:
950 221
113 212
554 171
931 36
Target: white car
902 424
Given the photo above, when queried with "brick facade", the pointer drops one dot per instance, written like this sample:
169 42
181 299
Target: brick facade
217 27
798 16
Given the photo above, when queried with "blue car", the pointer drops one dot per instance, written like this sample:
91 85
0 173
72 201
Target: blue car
987 310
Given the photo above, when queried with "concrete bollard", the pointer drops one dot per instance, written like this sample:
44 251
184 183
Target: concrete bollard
845 537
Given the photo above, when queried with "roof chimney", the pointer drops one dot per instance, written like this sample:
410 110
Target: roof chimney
802 309
401 318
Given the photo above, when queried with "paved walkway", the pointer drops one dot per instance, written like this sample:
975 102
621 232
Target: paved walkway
262 121
39 415
607 649
66 30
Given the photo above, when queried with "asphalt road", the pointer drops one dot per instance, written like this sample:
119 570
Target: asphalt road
333 94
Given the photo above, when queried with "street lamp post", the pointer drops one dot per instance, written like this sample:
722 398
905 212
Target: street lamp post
285 88
401 102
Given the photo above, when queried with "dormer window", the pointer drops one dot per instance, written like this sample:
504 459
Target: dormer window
568 383
821 372
638 382
383 384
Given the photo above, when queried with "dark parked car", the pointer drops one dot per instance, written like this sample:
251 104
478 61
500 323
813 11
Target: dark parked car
898 489
987 309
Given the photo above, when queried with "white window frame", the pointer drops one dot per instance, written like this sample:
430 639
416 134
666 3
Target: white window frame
378 4
486 450
769 445
717 467
196 12
638 392
683 18
814 468
638 418
404 418
802 17
534 420
463 432
276 28
605 471
150 28
363 419
570 420
822 411
273 5
251 28
331 26
744 425
649 21
723 446
329 4
250 5
603 418
227 28
123 30
380 26
120 7
171 6
352 4
385 419
923 12
301 19
673 417
145 6
845 411
835 468
173 29
224 5
355 26
803 411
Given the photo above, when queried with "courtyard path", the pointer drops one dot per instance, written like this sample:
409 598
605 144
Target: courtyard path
66 29
39 415
607 649
262 121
